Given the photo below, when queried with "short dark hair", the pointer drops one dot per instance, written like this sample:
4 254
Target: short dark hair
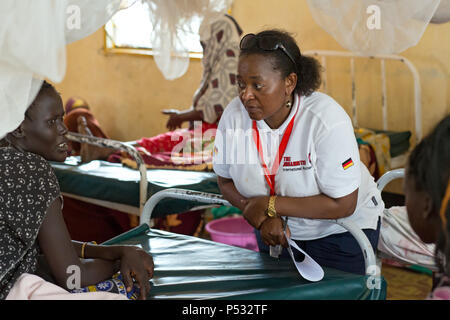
429 165
308 69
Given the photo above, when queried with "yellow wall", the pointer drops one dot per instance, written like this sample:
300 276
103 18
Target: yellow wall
128 92
125 92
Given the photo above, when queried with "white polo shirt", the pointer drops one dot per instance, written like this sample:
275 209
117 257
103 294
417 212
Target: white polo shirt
321 157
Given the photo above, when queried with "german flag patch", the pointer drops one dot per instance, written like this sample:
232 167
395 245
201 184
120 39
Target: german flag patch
347 163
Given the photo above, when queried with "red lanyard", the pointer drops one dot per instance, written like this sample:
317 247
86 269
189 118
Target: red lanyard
270 178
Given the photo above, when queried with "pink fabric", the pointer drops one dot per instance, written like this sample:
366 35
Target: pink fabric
441 293
31 287
442 290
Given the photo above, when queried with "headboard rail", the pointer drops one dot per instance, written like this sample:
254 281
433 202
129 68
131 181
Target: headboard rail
352 56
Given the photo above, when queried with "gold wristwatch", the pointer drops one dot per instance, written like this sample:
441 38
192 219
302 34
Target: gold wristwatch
270 211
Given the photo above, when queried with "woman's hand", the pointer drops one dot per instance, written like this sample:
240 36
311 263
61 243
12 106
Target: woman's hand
272 232
175 120
138 264
255 210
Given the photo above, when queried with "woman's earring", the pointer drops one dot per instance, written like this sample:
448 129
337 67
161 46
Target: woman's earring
288 104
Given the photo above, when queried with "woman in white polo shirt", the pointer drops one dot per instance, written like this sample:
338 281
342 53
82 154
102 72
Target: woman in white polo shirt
286 152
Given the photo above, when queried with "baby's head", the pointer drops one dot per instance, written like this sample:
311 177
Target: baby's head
427 189
43 131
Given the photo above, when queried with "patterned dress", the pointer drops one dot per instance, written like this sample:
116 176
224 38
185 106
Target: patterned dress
28 186
220 63
217 88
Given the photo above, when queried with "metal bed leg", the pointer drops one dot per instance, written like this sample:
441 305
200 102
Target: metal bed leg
372 268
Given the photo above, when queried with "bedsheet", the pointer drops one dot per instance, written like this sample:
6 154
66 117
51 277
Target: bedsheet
399 141
386 145
116 183
194 268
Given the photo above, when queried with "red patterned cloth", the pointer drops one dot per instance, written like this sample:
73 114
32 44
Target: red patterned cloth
185 139
181 149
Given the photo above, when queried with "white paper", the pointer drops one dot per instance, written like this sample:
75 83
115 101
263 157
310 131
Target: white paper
308 268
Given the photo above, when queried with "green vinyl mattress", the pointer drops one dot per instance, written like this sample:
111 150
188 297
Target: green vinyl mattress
115 183
193 268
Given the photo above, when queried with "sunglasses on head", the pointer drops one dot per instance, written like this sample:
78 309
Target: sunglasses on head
266 43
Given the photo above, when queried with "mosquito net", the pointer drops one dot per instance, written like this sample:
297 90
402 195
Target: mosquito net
370 27
34 34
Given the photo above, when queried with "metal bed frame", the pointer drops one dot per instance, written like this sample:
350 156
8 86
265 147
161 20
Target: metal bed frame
206 200
211 200
372 258
386 178
214 199
143 183
344 54
117 145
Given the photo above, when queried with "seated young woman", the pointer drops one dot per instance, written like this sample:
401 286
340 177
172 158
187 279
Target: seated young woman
427 196
31 221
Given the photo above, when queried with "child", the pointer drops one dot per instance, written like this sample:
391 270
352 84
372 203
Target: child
427 195
31 221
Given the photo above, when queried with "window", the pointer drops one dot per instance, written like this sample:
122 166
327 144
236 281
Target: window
130 31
